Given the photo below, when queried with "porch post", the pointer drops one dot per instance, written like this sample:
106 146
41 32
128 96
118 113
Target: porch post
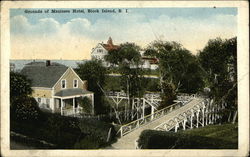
61 106
74 106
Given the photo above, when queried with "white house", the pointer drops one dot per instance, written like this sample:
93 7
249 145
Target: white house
101 50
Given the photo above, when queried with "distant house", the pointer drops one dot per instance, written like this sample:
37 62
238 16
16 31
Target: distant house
57 88
101 50
150 63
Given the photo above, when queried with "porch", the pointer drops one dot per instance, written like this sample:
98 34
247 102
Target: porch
67 102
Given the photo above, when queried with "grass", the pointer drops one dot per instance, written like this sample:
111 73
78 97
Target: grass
225 132
113 83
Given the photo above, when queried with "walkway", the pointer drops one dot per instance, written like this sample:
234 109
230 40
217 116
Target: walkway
128 141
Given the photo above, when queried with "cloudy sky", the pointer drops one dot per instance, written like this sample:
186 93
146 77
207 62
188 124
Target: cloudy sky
73 35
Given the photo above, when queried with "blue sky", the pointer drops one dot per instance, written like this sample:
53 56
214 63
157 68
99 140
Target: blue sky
62 34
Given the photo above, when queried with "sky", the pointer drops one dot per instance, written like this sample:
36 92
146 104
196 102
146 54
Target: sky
73 35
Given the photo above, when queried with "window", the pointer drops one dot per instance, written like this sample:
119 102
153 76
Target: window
63 84
39 100
47 101
99 50
75 83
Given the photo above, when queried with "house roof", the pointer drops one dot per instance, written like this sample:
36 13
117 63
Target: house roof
42 75
151 59
110 46
72 92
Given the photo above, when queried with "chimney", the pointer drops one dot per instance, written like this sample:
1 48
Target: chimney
48 63
110 41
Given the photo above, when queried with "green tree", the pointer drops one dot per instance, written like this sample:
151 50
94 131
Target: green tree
20 86
94 72
85 103
128 59
219 60
178 68
25 108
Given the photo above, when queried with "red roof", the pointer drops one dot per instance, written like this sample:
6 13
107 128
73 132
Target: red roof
110 46
151 59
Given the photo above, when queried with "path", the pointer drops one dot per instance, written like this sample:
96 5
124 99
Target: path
128 141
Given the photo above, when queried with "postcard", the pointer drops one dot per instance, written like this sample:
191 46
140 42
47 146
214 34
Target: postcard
137 78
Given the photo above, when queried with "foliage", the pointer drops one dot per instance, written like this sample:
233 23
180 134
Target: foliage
19 86
167 99
201 138
128 59
177 66
25 108
112 83
88 142
97 128
86 104
219 61
63 131
94 72
66 132
28 143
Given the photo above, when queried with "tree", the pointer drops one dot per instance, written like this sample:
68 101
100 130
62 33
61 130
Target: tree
178 68
25 108
20 86
128 59
94 72
85 103
219 61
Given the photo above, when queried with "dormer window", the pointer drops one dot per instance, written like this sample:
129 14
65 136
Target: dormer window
75 83
63 84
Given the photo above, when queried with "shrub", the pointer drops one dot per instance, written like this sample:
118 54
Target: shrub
97 130
25 108
152 139
88 142
67 132
63 131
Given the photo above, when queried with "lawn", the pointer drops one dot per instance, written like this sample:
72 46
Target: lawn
225 132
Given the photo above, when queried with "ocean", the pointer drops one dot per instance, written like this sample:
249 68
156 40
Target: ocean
19 64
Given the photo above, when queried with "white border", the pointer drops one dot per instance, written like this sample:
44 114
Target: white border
243 77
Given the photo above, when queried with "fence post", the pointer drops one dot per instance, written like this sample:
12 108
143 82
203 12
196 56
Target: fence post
121 130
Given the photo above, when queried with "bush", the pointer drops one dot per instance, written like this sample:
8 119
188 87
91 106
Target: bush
63 131
98 131
152 139
66 132
88 142
25 108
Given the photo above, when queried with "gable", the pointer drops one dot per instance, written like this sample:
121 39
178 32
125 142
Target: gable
69 76
95 50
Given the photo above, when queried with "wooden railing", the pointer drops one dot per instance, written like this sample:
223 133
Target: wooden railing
127 128
70 111
170 124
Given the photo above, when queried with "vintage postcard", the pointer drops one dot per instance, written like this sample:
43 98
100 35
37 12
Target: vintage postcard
105 78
